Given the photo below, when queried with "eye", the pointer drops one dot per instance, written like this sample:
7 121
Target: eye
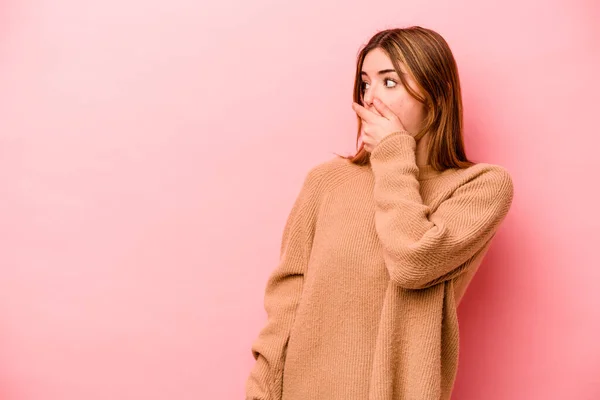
393 84
391 80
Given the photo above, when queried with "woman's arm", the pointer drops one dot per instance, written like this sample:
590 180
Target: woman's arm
422 248
282 295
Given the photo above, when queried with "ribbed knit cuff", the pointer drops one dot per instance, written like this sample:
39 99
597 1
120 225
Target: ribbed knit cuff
398 145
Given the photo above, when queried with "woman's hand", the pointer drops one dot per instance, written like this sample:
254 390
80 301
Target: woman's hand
374 127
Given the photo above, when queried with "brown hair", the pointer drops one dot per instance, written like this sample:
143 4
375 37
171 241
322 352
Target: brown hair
429 60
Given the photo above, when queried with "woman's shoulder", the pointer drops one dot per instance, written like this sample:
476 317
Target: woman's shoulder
335 164
487 170
332 169
483 174
325 175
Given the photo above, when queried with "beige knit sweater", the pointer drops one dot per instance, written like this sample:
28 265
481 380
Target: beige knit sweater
374 262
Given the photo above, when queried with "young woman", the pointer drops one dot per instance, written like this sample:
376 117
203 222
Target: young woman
379 247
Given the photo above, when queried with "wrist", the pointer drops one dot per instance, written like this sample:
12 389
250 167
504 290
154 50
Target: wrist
399 143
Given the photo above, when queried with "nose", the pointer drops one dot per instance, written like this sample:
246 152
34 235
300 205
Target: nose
368 97
368 102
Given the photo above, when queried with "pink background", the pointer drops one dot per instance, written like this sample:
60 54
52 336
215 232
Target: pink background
150 152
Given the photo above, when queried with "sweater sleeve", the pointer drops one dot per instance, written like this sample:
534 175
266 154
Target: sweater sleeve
422 248
282 296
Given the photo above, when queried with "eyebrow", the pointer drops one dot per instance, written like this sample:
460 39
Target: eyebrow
385 71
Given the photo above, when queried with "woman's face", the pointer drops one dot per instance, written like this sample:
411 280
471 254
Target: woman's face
379 79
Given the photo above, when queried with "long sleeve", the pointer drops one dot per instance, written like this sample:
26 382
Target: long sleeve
421 247
282 295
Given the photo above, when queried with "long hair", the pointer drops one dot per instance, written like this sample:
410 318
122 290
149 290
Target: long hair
429 60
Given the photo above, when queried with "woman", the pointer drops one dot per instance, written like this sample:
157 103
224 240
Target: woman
379 247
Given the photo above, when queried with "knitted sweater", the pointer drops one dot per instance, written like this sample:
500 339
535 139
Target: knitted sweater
374 262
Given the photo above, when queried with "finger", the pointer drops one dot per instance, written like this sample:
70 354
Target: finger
366 138
366 129
365 145
383 109
363 113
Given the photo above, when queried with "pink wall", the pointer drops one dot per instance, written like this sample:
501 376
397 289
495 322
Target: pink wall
150 152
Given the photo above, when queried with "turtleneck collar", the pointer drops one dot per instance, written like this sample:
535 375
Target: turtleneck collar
427 172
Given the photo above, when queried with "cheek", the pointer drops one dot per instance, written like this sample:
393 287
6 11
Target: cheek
397 106
400 108
410 112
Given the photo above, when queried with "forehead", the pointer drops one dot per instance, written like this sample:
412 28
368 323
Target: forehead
377 60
